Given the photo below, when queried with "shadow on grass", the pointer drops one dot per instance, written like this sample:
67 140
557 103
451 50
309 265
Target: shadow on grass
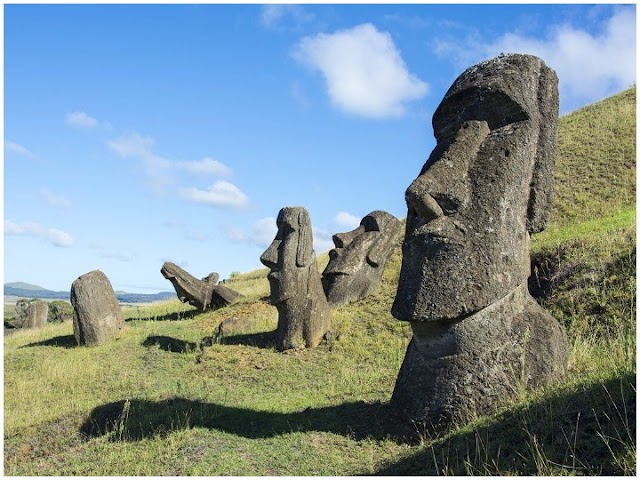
170 344
172 317
259 340
64 341
139 419
589 430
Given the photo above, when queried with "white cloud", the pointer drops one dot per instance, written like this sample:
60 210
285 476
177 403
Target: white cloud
261 234
18 149
155 167
322 240
55 200
281 17
220 194
206 166
160 171
54 236
81 119
589 66
345 219
264 231
364 71
132 145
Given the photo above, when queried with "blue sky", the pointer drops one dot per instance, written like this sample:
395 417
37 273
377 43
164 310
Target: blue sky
135 134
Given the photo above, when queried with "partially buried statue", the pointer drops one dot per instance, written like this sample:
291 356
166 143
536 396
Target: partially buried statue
296 289
477 333
357 262
203 294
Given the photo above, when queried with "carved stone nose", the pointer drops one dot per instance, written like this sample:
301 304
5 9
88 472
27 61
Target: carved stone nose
270 256
420 201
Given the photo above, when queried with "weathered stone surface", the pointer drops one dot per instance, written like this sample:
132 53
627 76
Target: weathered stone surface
31 313
203 294
296 289
486 186
60 311
357 262
96 314
234 326
223 296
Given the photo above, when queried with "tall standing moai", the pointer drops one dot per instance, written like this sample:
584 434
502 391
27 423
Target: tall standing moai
296 289
96 313
478 335
357 262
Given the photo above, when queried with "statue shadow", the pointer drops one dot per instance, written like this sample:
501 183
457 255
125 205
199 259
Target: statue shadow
583 431
135 420
170 344
64 341
168 317
258 340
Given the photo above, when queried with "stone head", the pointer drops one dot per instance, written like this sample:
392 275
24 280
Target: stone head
290 255
486 186
357 262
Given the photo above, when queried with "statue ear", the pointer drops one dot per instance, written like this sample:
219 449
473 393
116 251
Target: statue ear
541 185
304 251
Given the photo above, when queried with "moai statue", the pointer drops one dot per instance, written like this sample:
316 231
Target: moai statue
477 333
203 294
31 313
96 313
296 289
357 262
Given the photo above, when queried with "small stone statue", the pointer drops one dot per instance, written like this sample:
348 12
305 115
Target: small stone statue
357 262
203 294
477 333
296 289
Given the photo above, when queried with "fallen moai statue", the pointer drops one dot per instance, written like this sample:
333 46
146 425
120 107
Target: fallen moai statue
203 294
296 288
96 313
478 335
357 262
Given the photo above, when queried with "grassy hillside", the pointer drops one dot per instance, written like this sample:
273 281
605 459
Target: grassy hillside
596 160
172 397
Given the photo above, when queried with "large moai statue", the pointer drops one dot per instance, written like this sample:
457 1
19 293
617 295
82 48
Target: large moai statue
203 294
96 313
296 289
357 262
478 335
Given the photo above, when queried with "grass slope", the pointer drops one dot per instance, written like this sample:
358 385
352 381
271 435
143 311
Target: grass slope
171 396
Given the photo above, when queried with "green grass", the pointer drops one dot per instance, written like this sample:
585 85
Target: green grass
170 396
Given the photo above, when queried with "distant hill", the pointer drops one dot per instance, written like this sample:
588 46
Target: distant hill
26 290
24 286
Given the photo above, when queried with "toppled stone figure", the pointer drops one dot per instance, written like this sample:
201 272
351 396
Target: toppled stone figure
357 262
296 289
31 313
477 332
96 313
203 294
